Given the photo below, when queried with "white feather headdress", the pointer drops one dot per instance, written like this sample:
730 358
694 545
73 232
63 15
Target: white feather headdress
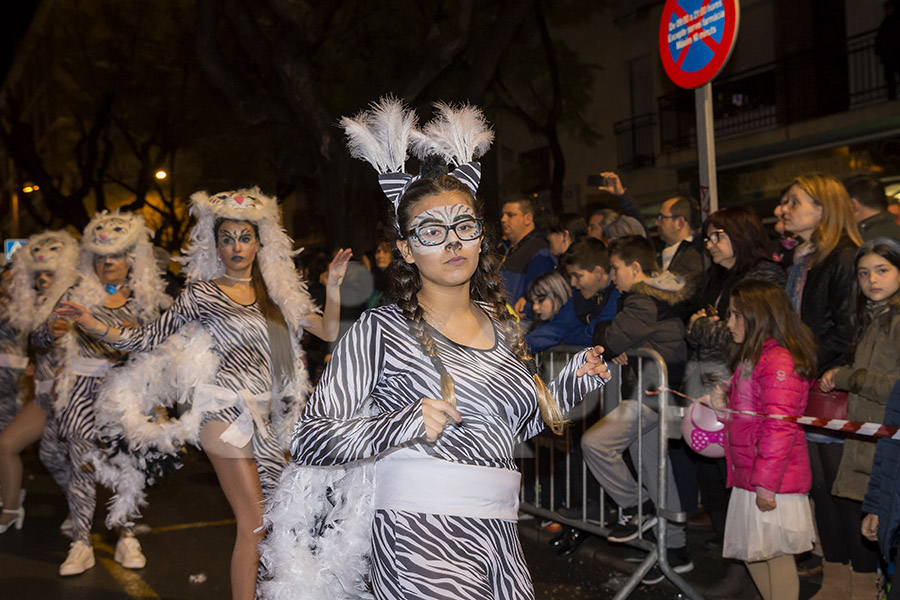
121 233
283 282
52 251
383 135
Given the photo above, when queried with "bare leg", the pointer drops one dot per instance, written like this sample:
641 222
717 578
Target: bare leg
22 431
240 482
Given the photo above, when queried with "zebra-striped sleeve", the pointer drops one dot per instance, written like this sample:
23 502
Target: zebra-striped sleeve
568 390
142 339
331 430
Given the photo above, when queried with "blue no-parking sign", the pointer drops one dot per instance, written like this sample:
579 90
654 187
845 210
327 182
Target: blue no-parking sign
696 38
10 246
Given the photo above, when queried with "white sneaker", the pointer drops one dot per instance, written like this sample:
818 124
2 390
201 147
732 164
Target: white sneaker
79 560
128 553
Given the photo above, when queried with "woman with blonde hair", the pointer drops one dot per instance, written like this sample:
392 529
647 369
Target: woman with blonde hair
820 282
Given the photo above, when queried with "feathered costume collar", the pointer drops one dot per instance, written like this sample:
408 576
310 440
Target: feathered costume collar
275 257
52 251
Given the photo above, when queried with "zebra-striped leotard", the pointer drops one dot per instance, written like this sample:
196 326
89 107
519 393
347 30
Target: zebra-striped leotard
12 352
242 343
75 412
422 554
53 454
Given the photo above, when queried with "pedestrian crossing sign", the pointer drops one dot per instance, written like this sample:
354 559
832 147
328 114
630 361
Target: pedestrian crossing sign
10 247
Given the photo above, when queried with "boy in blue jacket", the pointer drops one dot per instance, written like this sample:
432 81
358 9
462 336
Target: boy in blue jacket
587 265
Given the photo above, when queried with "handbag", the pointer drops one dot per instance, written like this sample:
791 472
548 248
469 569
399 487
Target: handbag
826 405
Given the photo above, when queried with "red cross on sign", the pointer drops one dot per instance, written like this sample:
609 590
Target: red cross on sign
696 38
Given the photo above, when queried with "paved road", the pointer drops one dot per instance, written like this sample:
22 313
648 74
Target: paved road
188 532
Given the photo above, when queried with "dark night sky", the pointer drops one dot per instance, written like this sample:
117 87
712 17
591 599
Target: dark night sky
13 24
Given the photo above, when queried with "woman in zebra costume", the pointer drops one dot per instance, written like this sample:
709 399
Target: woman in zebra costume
121 284
244 290
452 389
42 270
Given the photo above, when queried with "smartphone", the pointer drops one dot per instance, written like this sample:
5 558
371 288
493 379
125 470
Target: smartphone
597 181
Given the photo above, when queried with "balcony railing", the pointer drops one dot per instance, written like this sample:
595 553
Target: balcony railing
791 90
634 140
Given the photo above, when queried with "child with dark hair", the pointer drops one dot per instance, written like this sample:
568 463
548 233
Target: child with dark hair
774 360
647 318
873 370
587 264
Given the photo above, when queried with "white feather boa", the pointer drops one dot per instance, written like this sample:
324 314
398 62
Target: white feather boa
128 397
319 523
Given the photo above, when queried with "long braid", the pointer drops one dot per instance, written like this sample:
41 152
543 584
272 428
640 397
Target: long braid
489 291
485 287
406 277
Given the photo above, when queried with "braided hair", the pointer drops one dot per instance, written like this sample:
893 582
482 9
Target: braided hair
484 288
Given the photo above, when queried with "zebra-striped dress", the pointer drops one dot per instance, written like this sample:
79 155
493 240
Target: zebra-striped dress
12 352
241 341
53 454
75 415
419 554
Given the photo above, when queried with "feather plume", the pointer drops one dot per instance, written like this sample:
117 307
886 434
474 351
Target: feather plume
458 133
381 135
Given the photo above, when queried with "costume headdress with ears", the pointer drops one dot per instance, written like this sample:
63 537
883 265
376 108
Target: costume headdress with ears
121 233
53 251
384 134
275 257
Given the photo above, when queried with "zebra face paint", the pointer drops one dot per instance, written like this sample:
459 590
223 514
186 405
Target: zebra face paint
444 228
444 239
237 245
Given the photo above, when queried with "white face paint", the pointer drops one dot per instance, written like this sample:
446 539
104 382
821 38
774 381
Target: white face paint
441 217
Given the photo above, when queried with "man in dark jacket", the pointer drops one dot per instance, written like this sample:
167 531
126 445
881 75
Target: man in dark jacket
869 202
525 253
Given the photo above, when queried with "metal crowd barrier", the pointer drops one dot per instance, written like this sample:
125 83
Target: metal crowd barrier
545 448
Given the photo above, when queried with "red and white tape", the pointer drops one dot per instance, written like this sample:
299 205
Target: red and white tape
857 427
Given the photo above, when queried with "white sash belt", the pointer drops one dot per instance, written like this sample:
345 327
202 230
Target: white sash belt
415 482
254 410
91 367
13 361
43 386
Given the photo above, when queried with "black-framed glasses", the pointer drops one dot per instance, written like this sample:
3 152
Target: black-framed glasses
434 234
661 216
714 236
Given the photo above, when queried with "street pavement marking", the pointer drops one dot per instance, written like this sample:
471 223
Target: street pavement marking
130 582
167 528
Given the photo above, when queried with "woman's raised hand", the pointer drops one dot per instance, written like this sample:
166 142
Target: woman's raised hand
594 364
338 267
437 414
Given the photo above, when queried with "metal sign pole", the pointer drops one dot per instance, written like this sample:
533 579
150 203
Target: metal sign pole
706 149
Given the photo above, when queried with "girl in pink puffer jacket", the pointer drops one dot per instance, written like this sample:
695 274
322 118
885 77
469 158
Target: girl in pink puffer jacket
769 518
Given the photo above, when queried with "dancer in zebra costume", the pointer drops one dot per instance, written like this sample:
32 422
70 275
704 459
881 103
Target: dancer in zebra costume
244 290
13 359
451 389
121 284
42 270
